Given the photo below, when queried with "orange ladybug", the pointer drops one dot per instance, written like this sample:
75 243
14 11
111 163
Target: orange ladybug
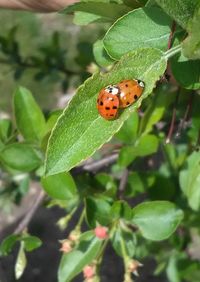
108 102
121 95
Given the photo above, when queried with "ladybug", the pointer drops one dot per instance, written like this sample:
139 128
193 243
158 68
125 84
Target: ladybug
121 95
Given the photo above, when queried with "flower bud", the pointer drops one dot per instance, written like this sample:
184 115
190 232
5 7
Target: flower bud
89 271
66 246
101 232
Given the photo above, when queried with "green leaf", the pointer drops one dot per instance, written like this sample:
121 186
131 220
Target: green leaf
126 34
5 129
8 244
29 117
128 132
60 186
129 241
101 55
96 11
180 11
121 210
190 180
73 263
98 210
144 146
186 72
191 45
20 156
161 100
157 220
135 184
80 122
30 242
21 262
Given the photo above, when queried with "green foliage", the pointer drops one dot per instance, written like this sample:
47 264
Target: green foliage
190 180
60 186
30 243
92 11
68 143
101 55
125 35
133 189
29 117
186 72
191 45
180 11
20 156
85 252
157 220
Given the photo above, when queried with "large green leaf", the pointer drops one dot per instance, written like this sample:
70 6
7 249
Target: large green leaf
80 130
191 45
157 220
73 263
180 11
29 117
19 156
190 180
144 27
60 186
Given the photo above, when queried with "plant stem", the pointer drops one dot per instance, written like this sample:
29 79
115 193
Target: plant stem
173 51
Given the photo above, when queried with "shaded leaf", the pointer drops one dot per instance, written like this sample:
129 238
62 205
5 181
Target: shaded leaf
60 186
22 157
180 11
101 55
98 210
186 72
144 146
129 241
8 244
96 11
191 45
190 180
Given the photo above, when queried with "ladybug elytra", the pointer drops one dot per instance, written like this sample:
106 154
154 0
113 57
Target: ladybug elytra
121 95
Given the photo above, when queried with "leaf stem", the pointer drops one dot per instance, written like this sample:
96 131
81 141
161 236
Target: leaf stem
173 51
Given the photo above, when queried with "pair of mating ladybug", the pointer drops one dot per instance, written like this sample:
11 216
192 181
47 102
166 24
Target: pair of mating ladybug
121 95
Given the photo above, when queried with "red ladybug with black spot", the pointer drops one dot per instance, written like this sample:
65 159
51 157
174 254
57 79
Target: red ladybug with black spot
121 95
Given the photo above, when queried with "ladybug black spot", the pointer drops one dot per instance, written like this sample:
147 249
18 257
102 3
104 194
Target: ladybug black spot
114 107
127 103
101 103
135 97
111 115
107 108
126 85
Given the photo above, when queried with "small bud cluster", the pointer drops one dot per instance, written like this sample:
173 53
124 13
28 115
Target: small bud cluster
70 242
